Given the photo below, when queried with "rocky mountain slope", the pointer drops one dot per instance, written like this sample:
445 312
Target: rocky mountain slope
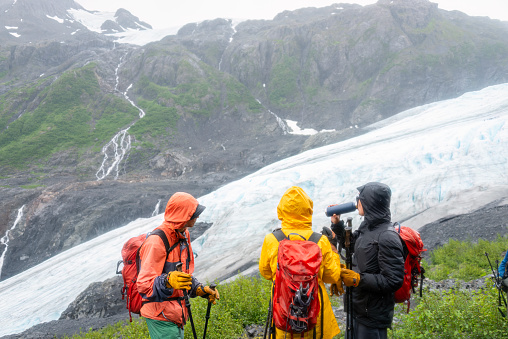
95 133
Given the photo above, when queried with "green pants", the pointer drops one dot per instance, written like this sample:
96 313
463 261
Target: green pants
163 329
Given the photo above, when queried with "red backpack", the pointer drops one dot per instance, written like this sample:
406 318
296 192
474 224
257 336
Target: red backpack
295 293
130 269
413 248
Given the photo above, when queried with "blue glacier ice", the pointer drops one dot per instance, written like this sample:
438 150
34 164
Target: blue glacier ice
448 157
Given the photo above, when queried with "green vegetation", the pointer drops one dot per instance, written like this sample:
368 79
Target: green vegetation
464 260
242 302
457 313
201 92
439 314
32 186
159 122
453 314
284 82
72 114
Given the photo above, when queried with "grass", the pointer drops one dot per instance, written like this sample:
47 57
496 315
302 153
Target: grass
464 260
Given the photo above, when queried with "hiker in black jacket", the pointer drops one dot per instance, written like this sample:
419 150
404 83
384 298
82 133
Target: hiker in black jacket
378 262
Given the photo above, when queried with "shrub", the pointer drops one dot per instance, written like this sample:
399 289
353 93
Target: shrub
464 260
454 314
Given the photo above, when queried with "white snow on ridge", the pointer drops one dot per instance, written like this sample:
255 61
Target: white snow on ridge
144 37
431 156
91 20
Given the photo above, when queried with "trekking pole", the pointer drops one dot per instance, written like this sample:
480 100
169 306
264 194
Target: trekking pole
271 332
497 284
268 317
348 298
187 303
209 307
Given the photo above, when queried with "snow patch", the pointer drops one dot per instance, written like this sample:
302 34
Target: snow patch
293 125
56 18
91 20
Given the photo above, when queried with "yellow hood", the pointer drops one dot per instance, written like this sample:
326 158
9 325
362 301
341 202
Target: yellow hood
295 209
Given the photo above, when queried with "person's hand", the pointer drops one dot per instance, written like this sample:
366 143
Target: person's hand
349 278
335 218
208 293
179 280
337 289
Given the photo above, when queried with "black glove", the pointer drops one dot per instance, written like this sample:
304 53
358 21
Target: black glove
330 235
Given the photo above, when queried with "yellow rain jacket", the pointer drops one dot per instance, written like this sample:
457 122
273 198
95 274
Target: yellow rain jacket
295 212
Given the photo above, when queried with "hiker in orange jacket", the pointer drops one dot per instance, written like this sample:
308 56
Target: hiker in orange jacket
160 282
295 212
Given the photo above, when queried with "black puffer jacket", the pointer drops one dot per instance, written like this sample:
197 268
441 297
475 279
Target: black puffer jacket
378 257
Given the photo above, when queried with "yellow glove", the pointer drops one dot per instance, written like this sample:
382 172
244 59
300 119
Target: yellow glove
349 277
179 280
207 292
336 289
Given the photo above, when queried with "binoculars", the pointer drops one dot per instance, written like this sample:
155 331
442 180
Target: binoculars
340 209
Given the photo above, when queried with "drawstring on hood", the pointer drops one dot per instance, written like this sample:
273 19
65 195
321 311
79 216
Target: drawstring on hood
375 199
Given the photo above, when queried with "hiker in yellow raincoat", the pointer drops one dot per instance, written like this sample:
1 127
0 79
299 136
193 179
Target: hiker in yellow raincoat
295 211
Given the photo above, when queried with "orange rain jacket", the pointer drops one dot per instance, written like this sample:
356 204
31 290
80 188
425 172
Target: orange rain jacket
160 302
295 211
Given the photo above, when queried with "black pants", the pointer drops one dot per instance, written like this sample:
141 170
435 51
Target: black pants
365 332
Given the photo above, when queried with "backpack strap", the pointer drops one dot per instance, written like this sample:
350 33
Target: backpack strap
395 225
279 235
315 237
165 240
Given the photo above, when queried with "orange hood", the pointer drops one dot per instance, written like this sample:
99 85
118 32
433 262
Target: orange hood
180 208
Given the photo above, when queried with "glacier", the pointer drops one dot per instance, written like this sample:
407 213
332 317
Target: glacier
448 157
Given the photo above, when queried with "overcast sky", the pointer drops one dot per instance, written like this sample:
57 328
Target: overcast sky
170 13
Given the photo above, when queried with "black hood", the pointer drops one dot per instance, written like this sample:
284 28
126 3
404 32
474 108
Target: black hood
375 198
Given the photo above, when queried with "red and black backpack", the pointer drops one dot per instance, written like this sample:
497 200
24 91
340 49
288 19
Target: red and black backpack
130 269
296 303
413 247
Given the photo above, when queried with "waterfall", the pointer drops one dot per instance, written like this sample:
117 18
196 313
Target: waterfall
281 122
230 39
120 144
141 112
117 77
156 210
5 239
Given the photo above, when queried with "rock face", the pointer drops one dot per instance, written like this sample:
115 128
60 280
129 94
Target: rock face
100 300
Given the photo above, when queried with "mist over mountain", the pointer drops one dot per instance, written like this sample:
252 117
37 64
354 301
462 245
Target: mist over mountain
33 21
94 133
